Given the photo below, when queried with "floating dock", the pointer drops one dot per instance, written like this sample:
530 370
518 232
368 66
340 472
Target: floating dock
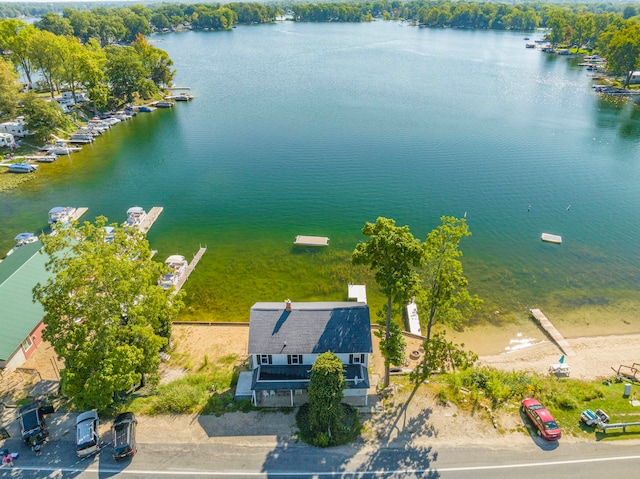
183 277
150 218
553 332
78 213
315 241
549 238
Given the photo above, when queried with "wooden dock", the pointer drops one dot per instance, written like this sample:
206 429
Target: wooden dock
150 218
78 213
183 278
553 332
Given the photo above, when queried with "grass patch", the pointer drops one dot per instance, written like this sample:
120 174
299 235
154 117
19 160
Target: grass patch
348 432
565 398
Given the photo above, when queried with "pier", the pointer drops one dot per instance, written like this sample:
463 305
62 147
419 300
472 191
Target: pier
552 332
190 268
78 213
150 218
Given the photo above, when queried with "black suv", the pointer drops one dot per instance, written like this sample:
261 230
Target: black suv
124 435
34 430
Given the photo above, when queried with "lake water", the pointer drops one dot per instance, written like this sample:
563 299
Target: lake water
317 128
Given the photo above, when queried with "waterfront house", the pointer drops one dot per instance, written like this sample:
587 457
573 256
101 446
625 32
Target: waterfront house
20 318
286 338
635 78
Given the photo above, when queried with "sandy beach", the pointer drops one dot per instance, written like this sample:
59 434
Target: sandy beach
595 356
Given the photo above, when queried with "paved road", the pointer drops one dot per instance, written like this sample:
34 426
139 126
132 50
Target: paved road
295 460
243 457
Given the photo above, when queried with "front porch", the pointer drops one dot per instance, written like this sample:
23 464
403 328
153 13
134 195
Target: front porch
298 397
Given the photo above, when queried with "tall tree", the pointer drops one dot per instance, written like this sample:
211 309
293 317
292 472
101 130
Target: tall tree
54 23
125 72
622 49
326 391
43 118
47 53
444 296
392 252
9 87
105 315
156 61
15 37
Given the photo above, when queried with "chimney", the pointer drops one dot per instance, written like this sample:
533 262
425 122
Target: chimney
287 306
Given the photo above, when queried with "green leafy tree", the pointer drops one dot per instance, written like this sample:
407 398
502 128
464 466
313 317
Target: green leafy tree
621 46
54 23
47 53
156 61
15 37
325 394
92 74
105 315
9 87
445 297
43 118
392 252
125 72
442 355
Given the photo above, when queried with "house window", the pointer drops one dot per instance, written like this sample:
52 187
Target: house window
27 343
294 359
265 359
356 358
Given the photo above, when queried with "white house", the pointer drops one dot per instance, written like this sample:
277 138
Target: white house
635 77
16 127
286 338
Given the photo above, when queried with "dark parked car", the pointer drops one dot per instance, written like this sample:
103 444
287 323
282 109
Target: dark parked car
541 419
34 429
124 435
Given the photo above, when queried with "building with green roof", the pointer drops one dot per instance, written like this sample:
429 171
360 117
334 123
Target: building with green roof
20 318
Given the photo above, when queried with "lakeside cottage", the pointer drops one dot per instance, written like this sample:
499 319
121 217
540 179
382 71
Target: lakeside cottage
286 338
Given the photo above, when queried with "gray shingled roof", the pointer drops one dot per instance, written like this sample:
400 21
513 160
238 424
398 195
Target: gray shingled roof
19 315
310 328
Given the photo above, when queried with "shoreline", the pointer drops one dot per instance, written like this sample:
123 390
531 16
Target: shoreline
595 356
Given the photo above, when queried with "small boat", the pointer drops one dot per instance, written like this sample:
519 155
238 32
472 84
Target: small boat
135 216
146 109
22 168
530 45
526 38
183 97
177 266
164 104
61 214
313 241
23 239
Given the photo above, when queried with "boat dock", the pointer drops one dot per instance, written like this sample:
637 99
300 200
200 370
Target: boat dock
553 332
150 218
190 268
78 213
315 241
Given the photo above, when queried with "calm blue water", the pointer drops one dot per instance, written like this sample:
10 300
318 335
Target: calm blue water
317 128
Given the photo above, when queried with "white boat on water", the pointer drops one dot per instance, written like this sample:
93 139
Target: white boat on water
135 216
23 239
177 267
61 214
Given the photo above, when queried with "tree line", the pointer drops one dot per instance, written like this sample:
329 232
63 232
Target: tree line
110 75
